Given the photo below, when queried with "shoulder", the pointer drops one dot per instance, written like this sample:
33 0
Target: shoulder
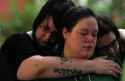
15 39
122 33
20 35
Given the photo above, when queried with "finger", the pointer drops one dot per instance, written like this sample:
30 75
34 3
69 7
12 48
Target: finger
117 70
116 66
113 68
113 73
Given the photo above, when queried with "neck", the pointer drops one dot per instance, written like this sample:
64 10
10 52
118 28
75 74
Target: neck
67 52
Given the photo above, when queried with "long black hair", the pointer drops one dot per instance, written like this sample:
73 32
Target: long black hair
53 8
74 14
105 26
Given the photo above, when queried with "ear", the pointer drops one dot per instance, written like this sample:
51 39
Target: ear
66 33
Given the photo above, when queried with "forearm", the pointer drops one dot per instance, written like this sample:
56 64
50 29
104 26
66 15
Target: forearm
43 67
62 67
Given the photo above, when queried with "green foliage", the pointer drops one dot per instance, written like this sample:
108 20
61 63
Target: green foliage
23 21
123 72
122 24
19 21
5 31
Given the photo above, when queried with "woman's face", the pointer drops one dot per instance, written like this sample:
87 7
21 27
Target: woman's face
108 44
45 30
81 41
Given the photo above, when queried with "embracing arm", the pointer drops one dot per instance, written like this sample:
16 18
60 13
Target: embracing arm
44 67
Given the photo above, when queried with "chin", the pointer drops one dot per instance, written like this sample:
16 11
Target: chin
88 55
84 57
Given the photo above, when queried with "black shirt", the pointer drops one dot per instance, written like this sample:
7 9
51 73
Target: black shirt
20 46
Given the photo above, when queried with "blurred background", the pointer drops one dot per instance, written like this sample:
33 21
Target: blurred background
18 15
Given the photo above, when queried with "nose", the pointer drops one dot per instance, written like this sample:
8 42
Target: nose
90 38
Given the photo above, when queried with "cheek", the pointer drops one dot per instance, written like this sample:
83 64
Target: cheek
73 43
77 44
95 41
76 41
43 36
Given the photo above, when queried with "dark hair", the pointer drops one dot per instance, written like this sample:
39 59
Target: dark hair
106 25
54 8
74 14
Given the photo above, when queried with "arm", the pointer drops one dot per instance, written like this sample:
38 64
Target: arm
43 67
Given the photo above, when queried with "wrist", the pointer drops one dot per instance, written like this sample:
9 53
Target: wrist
91 68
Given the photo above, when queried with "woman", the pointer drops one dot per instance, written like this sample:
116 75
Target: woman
108 45
80 34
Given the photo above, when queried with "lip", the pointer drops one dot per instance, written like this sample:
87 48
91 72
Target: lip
89 48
